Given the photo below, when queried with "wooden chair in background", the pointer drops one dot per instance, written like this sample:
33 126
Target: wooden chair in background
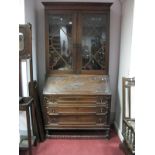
29 104
128 123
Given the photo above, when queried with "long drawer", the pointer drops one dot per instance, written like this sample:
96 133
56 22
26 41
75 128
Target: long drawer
77 109
56 99
77 120
64 111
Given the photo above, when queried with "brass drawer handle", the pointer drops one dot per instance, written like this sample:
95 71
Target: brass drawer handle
51 110
102 111
52 113
102 101
100 120
105 113
52 120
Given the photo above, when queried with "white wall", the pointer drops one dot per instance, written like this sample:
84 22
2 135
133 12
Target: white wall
22 12
125 54
115 30
115 18
30 17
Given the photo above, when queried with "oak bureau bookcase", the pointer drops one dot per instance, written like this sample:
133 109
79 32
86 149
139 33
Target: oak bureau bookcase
76 93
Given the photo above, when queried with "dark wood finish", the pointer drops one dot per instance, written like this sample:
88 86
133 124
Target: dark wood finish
77 10
77 134
77 6
27 104
77 102
77 98
77 84
26 29
33 88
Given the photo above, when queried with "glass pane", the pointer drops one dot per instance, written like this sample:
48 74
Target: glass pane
60 42
93 41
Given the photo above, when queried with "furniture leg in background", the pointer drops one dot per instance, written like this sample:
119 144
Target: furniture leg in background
26 142
128 123
38 112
